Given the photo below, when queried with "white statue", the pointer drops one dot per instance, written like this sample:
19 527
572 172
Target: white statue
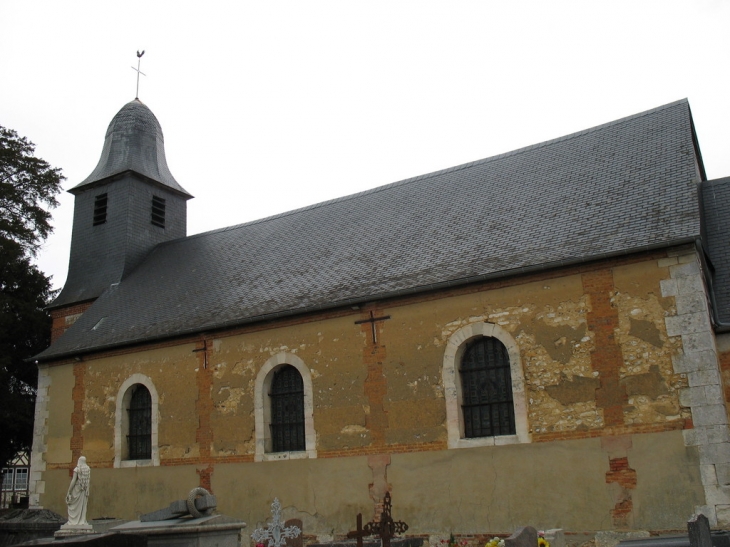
77 497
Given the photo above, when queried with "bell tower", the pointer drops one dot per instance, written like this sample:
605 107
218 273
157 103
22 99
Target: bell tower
129 204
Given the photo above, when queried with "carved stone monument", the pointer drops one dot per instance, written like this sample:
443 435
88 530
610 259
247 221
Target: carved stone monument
190 522
77 501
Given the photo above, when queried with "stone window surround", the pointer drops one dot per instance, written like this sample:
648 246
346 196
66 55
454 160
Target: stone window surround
121 424
455 348
262 410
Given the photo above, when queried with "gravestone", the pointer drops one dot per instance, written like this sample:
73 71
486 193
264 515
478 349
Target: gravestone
699 531
523 537
699 535
297 541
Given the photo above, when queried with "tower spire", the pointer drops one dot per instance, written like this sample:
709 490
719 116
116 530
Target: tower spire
139 60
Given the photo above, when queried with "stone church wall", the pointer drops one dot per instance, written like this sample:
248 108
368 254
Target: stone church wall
604 445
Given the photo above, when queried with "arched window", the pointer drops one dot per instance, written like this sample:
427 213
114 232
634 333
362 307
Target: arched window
486 387
136 423
283 410
287 410
139 437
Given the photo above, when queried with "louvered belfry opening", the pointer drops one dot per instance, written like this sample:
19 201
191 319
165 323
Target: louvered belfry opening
486 382
139 439
287 410
158 211
100 202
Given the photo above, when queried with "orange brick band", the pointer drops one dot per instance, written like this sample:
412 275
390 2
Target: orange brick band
204 410
606 356
621 474
376 385
631 429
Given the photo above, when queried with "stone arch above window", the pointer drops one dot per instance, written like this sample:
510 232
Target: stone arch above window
455 348
262 409
124 454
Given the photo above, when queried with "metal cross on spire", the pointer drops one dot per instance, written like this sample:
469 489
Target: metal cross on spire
276 533
139 60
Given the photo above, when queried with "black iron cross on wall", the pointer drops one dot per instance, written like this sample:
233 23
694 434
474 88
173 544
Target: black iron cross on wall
372 319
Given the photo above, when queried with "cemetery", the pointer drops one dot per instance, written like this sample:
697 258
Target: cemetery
194 522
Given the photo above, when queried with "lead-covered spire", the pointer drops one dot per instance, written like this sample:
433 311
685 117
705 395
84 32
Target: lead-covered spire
134 142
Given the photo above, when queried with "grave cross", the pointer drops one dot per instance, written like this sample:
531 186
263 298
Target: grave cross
359 533
387 527
276 533
372 321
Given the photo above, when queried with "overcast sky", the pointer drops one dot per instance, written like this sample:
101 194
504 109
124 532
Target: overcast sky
271 106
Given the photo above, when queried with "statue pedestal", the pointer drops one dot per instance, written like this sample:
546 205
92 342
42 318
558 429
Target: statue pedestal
70 530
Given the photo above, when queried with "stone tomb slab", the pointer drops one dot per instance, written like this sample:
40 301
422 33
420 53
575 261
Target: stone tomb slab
22 525
207 531
92 540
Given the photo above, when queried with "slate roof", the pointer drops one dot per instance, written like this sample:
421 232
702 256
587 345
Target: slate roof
624 186
716 208
133 142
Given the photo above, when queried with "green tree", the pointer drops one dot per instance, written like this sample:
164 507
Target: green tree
28 188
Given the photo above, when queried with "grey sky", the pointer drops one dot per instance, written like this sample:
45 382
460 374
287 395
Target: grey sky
270 106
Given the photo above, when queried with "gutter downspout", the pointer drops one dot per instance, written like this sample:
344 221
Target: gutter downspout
720 326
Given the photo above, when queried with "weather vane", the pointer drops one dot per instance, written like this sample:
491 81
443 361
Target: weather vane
139 60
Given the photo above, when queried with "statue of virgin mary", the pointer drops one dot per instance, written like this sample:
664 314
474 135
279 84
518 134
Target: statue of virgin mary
77 497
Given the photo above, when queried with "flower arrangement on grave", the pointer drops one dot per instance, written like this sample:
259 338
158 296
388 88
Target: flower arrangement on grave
260 545
451 542
497 542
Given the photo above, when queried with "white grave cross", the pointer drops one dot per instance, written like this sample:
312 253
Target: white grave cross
276 533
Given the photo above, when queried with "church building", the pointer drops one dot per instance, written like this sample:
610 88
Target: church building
536 338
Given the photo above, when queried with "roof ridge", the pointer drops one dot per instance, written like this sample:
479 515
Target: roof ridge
440 172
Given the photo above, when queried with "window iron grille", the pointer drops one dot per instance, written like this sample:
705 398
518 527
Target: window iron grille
287 410
100 203
139 439
486 380
158 211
